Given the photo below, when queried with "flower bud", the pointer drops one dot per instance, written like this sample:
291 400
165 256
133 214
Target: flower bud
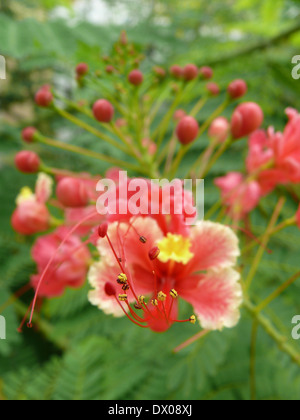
219 129
135 77
102 230
82 69
237 89
190 72
103 111
44 96
72 192
28 134
206 72
27 162
160 72
176 71
213 88
247 118
109 289
187 130
109 69
179 114
31 217
150 146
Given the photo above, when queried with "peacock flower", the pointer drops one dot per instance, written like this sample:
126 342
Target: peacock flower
69 267
31 215
143 271
239 195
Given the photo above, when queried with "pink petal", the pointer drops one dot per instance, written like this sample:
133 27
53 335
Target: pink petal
215 296
126 241
99 274
214 246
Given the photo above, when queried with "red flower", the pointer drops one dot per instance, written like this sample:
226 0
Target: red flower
198 268
69 267
238 195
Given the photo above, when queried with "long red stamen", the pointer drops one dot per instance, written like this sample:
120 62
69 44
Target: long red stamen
130 319
138 318
24 319
52 259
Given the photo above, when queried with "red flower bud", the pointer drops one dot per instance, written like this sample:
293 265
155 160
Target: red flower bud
213 88
237 89
219 129
31 217
82 69
27 162
190 72
179 114
154 253
121 122
44 97
247 118
110 69
136 77
123 38
72 192
102 230
103 111
110 289
160 72
176 71
28 134
187 130
206 72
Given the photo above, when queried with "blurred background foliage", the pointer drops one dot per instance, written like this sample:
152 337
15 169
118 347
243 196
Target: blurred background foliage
76 352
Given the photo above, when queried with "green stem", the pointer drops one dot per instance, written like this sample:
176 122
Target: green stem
91 130
273 333
265 240
222 149
277 292
253 360
199 105
84 152
277 229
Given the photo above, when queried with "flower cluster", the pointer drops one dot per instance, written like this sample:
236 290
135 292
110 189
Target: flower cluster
141 260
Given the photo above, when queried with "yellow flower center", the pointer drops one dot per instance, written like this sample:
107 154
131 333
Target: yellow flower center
25 195
175 248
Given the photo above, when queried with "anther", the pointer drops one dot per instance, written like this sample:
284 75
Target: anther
102 230
154 302
123 298
192 319
137 306
161 296
141 300
122 278
125 287
143 239
154 253
173 294
109 289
